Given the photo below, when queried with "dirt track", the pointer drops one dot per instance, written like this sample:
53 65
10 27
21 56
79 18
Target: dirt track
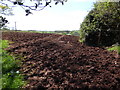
60 61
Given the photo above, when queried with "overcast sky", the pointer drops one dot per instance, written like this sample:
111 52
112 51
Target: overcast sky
60 17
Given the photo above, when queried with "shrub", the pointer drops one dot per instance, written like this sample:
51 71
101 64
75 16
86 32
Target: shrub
101 27
11 77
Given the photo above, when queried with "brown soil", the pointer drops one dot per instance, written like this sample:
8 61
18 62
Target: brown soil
61 61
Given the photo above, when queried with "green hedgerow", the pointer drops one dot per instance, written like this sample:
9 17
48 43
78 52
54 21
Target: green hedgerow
11 77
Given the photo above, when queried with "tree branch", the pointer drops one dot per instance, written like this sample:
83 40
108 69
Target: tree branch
36 7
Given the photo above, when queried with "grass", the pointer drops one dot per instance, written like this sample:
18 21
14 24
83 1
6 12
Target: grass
116 48
11 77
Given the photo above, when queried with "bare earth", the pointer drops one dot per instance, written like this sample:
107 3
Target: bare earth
61 61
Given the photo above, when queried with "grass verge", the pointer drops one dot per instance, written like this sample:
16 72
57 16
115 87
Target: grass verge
115 48
11 77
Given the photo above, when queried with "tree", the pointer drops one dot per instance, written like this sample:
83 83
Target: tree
101 27
3 21
37 5
6 11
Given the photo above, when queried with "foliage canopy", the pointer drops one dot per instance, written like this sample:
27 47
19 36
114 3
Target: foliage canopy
101 27
28 6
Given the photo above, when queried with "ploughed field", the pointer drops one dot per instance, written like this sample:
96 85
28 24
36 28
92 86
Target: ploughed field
61 61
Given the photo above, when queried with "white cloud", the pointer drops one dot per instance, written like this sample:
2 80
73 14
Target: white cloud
85 0
49 21
64 17
96 0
